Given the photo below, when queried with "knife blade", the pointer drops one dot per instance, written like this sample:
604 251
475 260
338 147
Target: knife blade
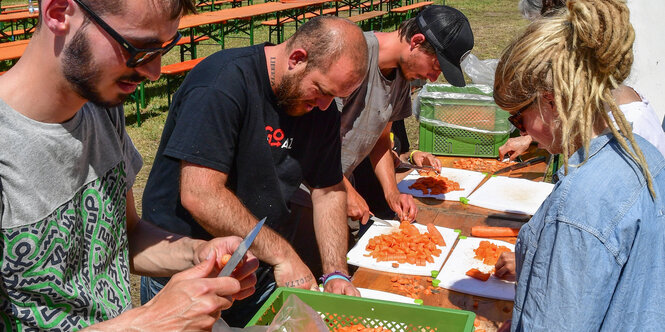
407 166
508 169
240 252
523 164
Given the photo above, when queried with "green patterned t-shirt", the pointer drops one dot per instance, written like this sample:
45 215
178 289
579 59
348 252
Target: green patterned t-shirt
64 251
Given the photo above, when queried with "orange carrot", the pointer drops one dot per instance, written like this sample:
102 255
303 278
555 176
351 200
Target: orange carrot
435 234
489 231
475 273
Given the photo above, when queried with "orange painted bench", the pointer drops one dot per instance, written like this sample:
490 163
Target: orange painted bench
367 16
179 68
408 8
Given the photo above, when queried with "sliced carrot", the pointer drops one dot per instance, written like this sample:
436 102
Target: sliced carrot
477 274
435 234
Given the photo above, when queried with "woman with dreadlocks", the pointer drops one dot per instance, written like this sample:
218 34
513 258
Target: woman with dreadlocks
591 258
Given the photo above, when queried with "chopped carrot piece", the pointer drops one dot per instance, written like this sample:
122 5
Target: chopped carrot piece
477 274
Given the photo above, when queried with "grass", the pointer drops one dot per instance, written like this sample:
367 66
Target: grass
494 24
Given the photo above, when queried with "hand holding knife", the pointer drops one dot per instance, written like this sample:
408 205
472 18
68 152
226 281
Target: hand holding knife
240 252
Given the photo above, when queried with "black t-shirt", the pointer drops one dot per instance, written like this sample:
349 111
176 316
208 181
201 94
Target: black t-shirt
225 117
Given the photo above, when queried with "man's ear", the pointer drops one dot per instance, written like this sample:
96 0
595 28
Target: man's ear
55 15
297 57
416 40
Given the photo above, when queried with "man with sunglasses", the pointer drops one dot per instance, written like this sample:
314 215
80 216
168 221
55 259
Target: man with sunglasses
246 127
70 230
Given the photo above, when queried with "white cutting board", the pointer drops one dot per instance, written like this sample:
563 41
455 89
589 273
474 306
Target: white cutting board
467 180
511 195
386 296
453 275
356 254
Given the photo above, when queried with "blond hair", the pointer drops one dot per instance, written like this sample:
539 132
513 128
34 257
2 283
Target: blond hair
578 56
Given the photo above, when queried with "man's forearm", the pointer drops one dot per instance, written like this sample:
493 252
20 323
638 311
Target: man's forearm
220 213
329 205
384 167
158 253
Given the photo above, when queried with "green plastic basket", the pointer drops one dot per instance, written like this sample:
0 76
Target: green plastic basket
339 310
461 121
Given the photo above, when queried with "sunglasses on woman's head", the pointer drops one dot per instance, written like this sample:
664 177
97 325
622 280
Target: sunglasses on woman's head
137 56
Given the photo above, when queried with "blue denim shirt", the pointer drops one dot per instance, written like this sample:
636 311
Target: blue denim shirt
592 258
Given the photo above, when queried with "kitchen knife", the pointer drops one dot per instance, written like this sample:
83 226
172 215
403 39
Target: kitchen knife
240 252
406 166
508 169
521 165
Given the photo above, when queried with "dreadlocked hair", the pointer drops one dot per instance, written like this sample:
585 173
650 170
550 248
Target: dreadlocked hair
578 56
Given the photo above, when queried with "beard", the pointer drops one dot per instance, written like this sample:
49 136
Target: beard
289 96
82 74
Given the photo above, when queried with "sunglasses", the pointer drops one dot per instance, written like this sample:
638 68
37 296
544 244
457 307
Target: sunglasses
517 118
137 56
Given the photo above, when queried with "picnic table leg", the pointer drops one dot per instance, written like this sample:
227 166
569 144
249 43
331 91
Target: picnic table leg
168 91
221 33
251 30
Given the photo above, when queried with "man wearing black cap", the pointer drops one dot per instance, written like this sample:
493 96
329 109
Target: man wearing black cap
435 41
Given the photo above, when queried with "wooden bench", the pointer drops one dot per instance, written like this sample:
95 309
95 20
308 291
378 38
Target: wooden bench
11 34
410 8
368 16
186 44
214 3
174 69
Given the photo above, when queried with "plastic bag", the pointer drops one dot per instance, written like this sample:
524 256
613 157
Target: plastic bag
480 71
294 315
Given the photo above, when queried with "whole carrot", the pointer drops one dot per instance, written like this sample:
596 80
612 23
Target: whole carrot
490 231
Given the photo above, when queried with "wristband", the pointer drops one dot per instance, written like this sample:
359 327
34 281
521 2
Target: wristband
411 155
334 275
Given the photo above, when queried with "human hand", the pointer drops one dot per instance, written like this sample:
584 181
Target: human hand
356 207
191 300
505 327
403 205
515 146
244 272
420 158
505 266
292 272
341 286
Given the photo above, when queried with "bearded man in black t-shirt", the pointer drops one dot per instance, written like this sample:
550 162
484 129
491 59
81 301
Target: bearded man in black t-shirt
246 127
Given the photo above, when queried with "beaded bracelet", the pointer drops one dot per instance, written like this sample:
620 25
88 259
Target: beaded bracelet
334 275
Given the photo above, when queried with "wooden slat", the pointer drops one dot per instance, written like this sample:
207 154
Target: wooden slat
405 9
180 67
367 16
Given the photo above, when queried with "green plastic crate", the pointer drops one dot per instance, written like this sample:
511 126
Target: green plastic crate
349 310
461 121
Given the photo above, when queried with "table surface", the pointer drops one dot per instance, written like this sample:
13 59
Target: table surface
218 16
490 313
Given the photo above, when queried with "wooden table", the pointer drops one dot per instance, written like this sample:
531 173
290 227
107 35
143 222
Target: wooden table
490 313
207 22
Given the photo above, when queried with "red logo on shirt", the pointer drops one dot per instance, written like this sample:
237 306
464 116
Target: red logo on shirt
275 137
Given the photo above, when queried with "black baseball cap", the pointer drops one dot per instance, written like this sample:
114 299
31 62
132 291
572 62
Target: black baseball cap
449 32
